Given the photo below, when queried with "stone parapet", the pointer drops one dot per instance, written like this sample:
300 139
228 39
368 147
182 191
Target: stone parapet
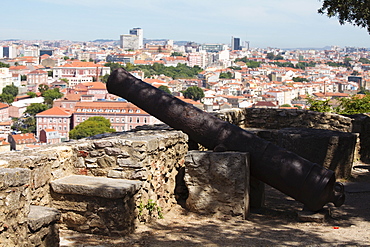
15 200
217 183
265 118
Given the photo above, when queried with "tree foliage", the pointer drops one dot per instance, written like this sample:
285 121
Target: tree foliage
319 105
181 71
164 89
32 94
354 12
250 63
35 108
299 79
194 93
10 89
42 88
7 98
354 105
227 75
4 65
90 127
50 95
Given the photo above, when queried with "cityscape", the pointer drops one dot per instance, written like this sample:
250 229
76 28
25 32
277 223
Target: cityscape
61 84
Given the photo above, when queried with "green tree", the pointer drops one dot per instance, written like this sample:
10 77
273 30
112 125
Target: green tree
364 60
4 65
299 79
176 54
11 89
347 61
354 12
50 73
285 105
42 88
90 127
29 125
227 75
270 56
7 98
104 78
32 94
50 95
35 108
194 93
164 89
355 104
113 66
319 105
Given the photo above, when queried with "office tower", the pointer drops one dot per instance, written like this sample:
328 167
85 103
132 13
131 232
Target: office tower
235 44
139 33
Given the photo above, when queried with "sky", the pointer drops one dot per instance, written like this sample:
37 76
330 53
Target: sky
264 23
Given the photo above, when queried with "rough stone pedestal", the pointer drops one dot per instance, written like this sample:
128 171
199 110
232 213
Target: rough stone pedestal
218 183
96 205
43 227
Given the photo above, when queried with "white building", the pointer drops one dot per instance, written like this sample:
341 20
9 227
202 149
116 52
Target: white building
139 33
6 78
129 42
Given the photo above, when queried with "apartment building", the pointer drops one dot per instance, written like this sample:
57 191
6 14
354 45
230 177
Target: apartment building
55 118
37 77
122 115
79 72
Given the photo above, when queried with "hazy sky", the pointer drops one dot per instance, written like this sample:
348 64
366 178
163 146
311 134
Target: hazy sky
265 23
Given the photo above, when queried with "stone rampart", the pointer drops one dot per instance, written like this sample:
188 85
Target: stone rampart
150 156
265 118
276 119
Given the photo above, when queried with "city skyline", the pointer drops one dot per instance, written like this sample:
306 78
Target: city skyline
282 24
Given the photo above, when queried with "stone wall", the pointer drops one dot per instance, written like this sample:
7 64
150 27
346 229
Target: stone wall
218 183
263 118
14 206
151 156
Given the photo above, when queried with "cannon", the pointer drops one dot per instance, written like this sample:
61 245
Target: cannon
306 182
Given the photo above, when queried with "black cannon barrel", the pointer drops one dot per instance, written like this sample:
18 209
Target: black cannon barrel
293 175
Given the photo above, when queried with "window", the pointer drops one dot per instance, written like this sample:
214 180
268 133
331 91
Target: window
145 120
117 120
60 120
112 120
137 111
130 120
78 119
137 120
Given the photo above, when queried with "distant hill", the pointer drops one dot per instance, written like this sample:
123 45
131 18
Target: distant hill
104 40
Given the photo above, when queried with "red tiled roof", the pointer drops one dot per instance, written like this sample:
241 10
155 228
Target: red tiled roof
55 111
26 138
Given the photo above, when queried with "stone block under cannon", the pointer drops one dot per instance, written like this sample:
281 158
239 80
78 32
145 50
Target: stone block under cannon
293 175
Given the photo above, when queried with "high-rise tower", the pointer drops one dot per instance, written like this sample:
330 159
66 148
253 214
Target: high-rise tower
139 33
235 44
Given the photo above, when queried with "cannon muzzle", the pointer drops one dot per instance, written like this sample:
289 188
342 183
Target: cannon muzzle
293 175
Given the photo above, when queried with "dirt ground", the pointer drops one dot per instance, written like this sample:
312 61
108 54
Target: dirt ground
277 224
